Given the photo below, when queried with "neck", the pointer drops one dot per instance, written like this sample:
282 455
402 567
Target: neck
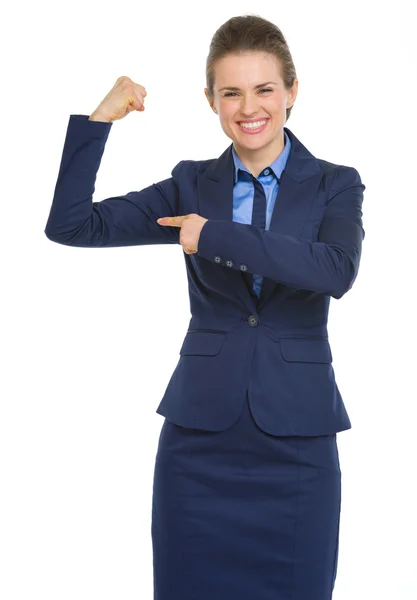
256 160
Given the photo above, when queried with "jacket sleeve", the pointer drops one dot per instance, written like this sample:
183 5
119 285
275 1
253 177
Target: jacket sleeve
75 220
328 266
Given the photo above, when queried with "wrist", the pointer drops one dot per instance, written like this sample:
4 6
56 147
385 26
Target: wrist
97 117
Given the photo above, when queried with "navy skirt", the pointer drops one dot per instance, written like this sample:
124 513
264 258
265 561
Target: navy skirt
241 514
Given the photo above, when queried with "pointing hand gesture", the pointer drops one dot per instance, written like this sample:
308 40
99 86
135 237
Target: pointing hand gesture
191 226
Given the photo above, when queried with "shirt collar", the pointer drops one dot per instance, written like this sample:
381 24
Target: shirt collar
277 166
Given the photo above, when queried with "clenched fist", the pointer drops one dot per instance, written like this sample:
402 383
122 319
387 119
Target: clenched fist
124 97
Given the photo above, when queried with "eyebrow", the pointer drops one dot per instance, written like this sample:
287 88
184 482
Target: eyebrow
236 89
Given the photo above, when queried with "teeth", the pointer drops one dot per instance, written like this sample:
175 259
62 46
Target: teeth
255 125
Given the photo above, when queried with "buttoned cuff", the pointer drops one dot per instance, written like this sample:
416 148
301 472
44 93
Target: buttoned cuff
217 243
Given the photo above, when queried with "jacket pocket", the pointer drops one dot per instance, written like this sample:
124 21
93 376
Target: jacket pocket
307 383
306 350
204 343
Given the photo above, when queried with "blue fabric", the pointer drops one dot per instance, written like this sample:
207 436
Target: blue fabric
247 481
274 348
242 515
244 200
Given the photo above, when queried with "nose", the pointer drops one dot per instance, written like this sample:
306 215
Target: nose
249 106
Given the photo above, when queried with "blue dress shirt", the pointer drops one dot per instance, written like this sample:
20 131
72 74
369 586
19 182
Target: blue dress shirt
243 193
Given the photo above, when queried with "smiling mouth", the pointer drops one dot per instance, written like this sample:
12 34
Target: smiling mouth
252 126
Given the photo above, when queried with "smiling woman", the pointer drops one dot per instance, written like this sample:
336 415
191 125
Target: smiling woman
241 508
247 482
250 114
252 86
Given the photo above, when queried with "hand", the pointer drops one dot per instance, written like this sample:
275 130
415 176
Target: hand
124 97
191 226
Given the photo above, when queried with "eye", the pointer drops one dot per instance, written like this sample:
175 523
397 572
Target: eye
262 90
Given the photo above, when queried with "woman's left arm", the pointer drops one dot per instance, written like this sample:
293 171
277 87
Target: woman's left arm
328 266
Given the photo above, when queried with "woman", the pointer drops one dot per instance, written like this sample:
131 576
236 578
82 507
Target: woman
247 483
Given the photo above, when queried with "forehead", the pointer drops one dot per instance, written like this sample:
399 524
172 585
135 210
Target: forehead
247 69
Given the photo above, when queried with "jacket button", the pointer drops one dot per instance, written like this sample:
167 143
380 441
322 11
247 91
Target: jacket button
243 267
217 259
229 263
253 321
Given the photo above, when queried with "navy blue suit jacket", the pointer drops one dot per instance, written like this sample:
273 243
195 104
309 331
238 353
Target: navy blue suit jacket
274 348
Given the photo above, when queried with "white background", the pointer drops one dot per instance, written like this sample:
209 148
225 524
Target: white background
90 336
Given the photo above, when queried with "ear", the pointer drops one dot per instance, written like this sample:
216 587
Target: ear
210 100
292 94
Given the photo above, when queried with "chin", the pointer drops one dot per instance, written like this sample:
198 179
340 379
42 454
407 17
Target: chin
252 142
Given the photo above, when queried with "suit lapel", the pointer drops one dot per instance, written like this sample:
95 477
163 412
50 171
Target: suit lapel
298 187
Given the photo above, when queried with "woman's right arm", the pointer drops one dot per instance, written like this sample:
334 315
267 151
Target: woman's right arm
74 219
